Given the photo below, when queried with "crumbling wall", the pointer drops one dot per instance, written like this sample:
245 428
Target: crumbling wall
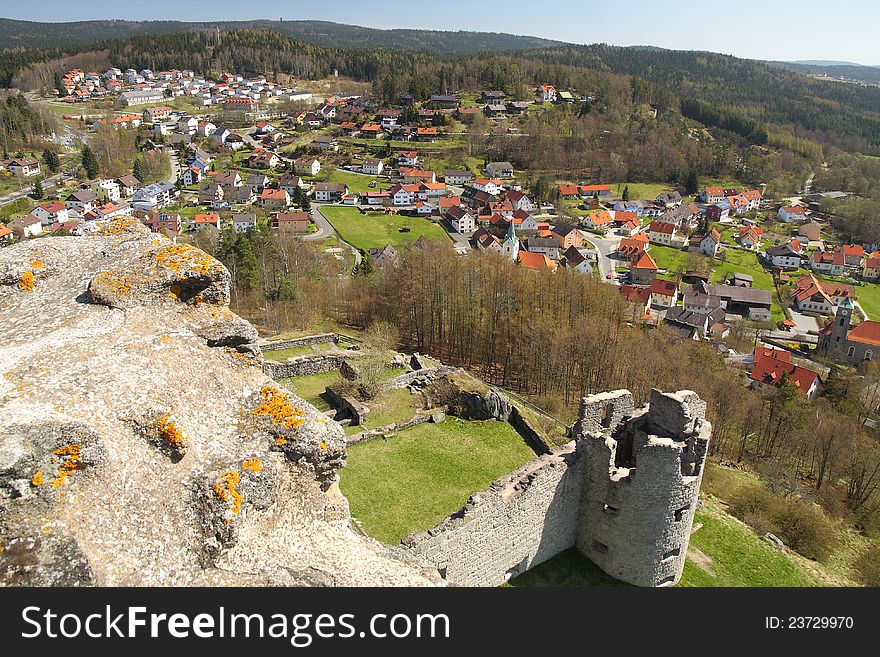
320 338
624 493
521 520
303 366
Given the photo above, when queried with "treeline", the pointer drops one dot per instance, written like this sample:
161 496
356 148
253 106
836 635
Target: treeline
558 336
20 123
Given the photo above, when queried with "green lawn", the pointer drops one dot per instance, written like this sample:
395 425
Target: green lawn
284 354
412 481
742 262
367 231
311 387
569 568
392 406
357 182
868 295
641 191
667 257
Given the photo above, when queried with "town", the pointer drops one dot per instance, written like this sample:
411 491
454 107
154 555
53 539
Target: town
245 152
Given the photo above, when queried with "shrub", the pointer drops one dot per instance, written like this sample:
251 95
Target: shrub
868 566
799 525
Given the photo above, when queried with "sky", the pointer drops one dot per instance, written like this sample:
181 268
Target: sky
767 29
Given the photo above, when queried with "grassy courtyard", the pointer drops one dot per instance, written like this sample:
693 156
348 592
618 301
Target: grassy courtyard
412 481
368 231
357 182
311 387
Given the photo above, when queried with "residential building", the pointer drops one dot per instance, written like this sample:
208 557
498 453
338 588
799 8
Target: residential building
373 167
23 166
790 213
643 271
828 262
664 294
812 295
274 198
201 221
242 223
153 197
461 219
307 166
51 212
295 223
773 366
106 190
499 170
82 201
788 256
536 261
330 192
710 245
26 226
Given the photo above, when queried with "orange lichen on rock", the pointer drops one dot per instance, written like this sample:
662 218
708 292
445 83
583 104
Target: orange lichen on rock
119 285
225 489
277 406
26 282
280 441
169 432
118 225
36 264
181 257
254 465
70 464
37 479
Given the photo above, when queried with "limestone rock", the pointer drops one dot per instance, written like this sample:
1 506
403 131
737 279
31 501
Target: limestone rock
90 363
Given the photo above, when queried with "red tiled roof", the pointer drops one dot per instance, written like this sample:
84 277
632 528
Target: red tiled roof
867 332
536 261
645 261
772 366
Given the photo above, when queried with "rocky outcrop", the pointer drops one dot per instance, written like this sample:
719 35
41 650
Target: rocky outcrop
141 443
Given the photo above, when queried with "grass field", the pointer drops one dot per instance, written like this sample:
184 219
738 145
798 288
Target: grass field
868 295
302 350
367 231
667 257
356 182
311 387
641 191
412 481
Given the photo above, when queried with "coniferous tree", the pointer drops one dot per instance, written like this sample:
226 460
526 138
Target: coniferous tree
138 169
38 188
90 162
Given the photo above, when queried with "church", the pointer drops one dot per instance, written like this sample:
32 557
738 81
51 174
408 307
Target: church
849 345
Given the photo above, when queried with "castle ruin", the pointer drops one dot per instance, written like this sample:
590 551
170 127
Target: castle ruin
623 492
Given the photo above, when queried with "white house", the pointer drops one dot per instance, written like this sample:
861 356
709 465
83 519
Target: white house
242 223
307 166
82 201
790 213
23 166
373 167
487 185
455 177
51 212
661 232
187 125
499 170
711 243
107 190
404 194
461 219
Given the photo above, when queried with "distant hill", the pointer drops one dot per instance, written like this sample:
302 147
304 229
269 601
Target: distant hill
870 74
824 62
28 34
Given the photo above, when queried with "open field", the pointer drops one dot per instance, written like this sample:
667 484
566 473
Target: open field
641 191
311 387
415 479
357 182
868 296
374 230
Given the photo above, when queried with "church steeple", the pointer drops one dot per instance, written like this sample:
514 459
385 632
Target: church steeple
510 246
837 332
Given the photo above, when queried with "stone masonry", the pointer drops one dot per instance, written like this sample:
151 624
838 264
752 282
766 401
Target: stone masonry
623 492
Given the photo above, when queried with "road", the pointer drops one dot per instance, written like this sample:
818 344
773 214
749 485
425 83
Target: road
606 246
47 184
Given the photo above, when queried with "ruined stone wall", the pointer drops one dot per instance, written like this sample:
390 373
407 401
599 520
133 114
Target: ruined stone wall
624 493
521 520
426 374
320 338
303 366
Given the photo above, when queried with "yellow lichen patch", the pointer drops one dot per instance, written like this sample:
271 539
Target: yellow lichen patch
276 405
36 264
26 282
118 225
181 257
254 465
225 489
37 479
70 464
119 285
165 339
169 432
323 445
280 441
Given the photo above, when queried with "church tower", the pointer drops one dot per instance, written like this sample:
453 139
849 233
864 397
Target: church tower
834 335
510 245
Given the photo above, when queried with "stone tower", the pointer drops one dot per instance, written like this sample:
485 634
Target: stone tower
832 339
510 245
642 476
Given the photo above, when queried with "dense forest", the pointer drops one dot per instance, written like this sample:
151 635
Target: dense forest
20 123
46 35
